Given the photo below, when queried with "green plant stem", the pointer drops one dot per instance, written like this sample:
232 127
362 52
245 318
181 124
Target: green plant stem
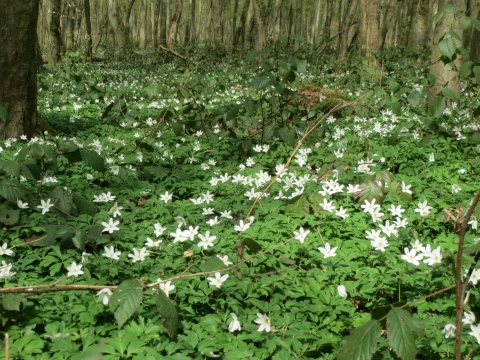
461 285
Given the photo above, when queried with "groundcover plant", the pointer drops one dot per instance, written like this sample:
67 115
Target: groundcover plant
208 214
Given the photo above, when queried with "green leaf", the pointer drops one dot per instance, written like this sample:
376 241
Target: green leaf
414 98
369 191
62 199
94 352
252 245
287 135
168 313
143 145
436 18
67 146
466 69
213 263
401 329
11 190
12 301
449 8
476 23
9 217
83 205
182 174
3 114
79 238
361 343
447 47
30 170
437 107
177 128
450 94
52 234
476 71
299 205
125 300
92 159
250 106
465 22
11 167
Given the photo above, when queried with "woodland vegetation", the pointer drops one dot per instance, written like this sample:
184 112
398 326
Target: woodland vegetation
239 179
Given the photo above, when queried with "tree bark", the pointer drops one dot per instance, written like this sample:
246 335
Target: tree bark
315 23
370 34
57 45
261 38
18 67
386 21
298 23
446 75
419 26
174 23
88 26
163 21
343 31
142 25
328 20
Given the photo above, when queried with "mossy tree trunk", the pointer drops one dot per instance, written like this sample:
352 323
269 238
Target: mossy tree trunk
18 67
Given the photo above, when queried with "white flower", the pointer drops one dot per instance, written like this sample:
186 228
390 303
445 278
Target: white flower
301 234
327 205
455 188
412 257
353 189
449 330
21 204
74 269
433 257
115 209
388 229
341 213
5 251
225 260
431 157
110 253
85 256
264 322
234 324
166 197
242 226
468 318
474 277
104 295
396 211
370 207
111 226
380 244
218 280
327 251
151 243
166 287
423 209
475 332
406 188
207 240
45 206
159 229
474 224
138 255
342 292
5 271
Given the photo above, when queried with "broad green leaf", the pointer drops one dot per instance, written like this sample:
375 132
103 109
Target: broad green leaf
437 107
260 82
269 131
11 167
12 301
52 234
3 114
79 238
30 170
83 205
465 22
476 71
62 199
414 98
125 300
476 23
182 174
287 135
177 128
9 217
401 329
369 191
466 69
299 205
67 146
252 245
447 47
246 145
301 66
250 106
450 94
11 190
92 159
94 352
213 263
232 113
472 249
436 18
449 8
168 313
361 343
454 35
143 145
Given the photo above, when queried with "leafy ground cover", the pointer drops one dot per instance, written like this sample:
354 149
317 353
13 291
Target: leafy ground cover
236 211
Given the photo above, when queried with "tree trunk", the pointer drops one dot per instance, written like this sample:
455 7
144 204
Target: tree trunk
419 26
88 26
18 67
387 20
142 25
315 23
190 32
174 23
446 75
261 38
216 19
239 39
163 21
328 20
298 23
343 31
370 34
57 46
155 7
475 43
121 30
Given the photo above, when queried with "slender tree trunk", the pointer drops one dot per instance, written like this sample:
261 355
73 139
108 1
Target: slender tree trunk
155 7
446 75
419 26
215 23
18 67
174 23
88 26
475 42
261 38
163 21
298 22
387 20
316 22
190 30
239 40
57 46
249 22
370 33
344 29
143 25
328 20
